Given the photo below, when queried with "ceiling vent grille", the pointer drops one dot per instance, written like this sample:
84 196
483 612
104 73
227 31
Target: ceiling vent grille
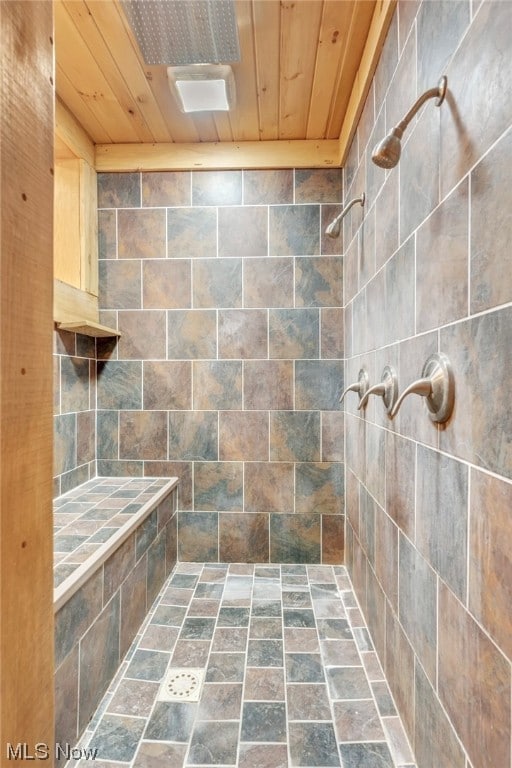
181 32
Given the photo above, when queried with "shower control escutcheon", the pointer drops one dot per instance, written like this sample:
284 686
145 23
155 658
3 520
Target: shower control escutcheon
387 389
360 386
437 386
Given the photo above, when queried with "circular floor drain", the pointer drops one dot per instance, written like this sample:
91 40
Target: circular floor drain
183 684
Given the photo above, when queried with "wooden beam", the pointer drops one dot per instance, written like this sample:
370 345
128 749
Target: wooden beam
26 431
245 154
376 36
70 132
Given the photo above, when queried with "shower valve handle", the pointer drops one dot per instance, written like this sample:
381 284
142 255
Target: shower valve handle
360 386
436 386
387 389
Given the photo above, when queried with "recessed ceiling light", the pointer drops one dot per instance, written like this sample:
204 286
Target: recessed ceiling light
203 87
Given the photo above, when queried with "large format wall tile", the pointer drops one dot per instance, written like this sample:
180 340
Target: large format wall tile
442 263
268 282
417 602
191 232
268 385
318 282
218 486
244 538
243 231
143 334
294 333
294 230
477 116
166 188
268 187
141 234
440 26
118 190
243 436
269 487
431 752
442 516
143 435
191 334
481 426
217 188
318 185
119 284
167 385
490 563
217 385
166 284
473 671
491 228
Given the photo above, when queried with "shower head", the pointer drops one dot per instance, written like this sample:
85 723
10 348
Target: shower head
387 152
334 228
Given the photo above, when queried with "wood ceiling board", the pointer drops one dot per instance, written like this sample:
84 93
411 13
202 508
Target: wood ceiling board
362 15
331 53
82 69
84 21
266 30
300 26
78 107
244 117
111 20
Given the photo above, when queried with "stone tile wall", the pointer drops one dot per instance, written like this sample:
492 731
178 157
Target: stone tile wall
229 368
74 390
428 268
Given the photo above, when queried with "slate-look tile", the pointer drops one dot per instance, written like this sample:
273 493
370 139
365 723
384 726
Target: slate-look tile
171 721
318 281
117 737
141 234
99 659
218 486
191 232
217 283
243 231
313 744
217 188
118 190
268 282
214 743
166 188
166 284
264 721
294 230
294 538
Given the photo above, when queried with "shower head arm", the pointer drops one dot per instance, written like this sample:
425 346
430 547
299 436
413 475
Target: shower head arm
348 206
438 93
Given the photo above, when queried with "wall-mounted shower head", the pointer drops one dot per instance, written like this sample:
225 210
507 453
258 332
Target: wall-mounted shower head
334 228
387 152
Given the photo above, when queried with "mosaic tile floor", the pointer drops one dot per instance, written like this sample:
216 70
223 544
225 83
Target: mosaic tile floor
291 678
86 517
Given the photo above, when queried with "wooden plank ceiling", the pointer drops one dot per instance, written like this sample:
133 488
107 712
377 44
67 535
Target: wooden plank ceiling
299 62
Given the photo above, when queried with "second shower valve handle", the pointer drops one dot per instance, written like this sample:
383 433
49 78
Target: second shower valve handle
436 385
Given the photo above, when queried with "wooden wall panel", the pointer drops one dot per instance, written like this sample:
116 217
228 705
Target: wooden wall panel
26 541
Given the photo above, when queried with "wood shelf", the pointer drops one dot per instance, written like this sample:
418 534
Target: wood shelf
88 328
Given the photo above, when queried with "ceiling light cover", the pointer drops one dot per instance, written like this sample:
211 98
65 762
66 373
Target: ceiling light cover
204 87
180 32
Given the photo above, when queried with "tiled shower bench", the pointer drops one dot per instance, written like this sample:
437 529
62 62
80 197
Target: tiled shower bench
115 544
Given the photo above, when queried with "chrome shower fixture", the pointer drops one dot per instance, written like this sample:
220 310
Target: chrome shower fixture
387 153
334 228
